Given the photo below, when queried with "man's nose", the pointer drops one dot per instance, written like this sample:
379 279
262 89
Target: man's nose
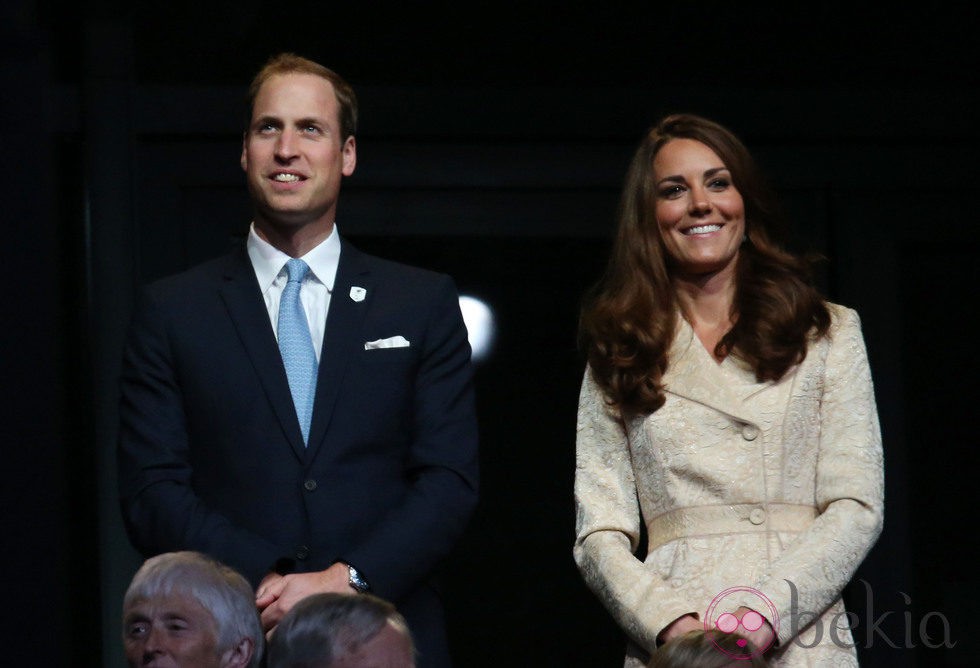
286 145
154 644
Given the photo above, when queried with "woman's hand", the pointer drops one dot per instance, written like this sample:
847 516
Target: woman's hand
679 627
750 625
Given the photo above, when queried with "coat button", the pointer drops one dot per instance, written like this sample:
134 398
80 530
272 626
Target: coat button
309 485
302 552
749 432
757 516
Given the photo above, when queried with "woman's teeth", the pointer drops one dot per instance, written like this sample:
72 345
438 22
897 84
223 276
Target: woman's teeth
702 229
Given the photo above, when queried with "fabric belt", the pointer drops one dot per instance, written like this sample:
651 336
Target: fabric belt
735 518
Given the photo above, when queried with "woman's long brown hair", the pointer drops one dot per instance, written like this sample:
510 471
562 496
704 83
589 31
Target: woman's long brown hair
629 317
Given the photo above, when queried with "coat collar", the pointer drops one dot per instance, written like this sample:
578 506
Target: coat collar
243 299
341 338
352 296
693 373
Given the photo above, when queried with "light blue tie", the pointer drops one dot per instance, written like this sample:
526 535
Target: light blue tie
296 346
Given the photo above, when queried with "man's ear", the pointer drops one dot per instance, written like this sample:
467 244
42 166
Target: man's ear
239 655
244 158
349 151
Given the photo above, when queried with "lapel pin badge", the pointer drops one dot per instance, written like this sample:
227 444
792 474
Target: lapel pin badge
358 294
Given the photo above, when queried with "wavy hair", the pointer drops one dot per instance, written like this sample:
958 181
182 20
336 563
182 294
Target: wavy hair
629 317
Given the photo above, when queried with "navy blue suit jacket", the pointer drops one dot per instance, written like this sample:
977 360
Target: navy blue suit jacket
211 457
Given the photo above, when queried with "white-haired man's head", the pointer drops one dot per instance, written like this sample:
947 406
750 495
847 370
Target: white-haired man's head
186 610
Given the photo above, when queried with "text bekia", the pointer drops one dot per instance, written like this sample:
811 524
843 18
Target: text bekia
873 632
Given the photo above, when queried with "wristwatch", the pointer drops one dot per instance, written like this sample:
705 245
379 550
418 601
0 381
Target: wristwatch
355 580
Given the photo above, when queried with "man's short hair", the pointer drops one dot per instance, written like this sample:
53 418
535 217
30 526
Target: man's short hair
706 649
220 590
323 628
290 63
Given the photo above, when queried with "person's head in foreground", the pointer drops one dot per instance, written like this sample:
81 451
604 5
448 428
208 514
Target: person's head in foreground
342 631
186 610
707 649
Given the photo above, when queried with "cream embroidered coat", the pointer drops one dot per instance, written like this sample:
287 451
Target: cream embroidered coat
740 485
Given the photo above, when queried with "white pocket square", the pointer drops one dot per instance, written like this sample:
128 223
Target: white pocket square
390 342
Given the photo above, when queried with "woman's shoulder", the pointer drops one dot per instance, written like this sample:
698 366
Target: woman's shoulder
845 327
842 317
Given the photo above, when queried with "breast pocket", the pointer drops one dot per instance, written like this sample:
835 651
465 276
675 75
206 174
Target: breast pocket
385 373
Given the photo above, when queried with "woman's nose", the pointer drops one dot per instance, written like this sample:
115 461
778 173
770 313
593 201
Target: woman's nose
699 202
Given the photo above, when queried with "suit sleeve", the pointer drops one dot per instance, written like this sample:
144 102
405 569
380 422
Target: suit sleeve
416 535
608 525
160 509
849 486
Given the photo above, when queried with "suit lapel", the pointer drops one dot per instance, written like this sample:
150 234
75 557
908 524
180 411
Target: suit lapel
694 374
240 292
352 294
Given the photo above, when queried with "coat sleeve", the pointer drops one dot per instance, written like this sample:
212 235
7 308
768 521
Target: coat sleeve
160 508
608 525
849 488
414 536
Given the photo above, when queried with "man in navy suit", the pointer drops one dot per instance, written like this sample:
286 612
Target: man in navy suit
367 482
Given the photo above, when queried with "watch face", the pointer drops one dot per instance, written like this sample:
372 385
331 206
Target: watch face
356 581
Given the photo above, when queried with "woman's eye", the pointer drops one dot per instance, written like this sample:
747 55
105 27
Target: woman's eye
670 192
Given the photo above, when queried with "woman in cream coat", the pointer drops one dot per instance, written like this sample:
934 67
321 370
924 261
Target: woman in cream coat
727 412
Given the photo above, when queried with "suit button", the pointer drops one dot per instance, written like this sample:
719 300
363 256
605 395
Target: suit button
749 432
302 552
757 516
309 485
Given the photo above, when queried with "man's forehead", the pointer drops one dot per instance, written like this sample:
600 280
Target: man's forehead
295 87
293 99
168 604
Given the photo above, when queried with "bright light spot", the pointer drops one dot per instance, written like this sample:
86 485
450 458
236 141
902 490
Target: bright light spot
480 327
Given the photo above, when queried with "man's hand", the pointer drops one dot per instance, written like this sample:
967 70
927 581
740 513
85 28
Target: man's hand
277 594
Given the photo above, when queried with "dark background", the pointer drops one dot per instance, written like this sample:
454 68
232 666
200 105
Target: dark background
493 142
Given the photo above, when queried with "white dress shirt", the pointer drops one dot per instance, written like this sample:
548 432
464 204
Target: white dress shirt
269 264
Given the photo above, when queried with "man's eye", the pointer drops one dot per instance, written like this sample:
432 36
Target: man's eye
312 130
136 629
